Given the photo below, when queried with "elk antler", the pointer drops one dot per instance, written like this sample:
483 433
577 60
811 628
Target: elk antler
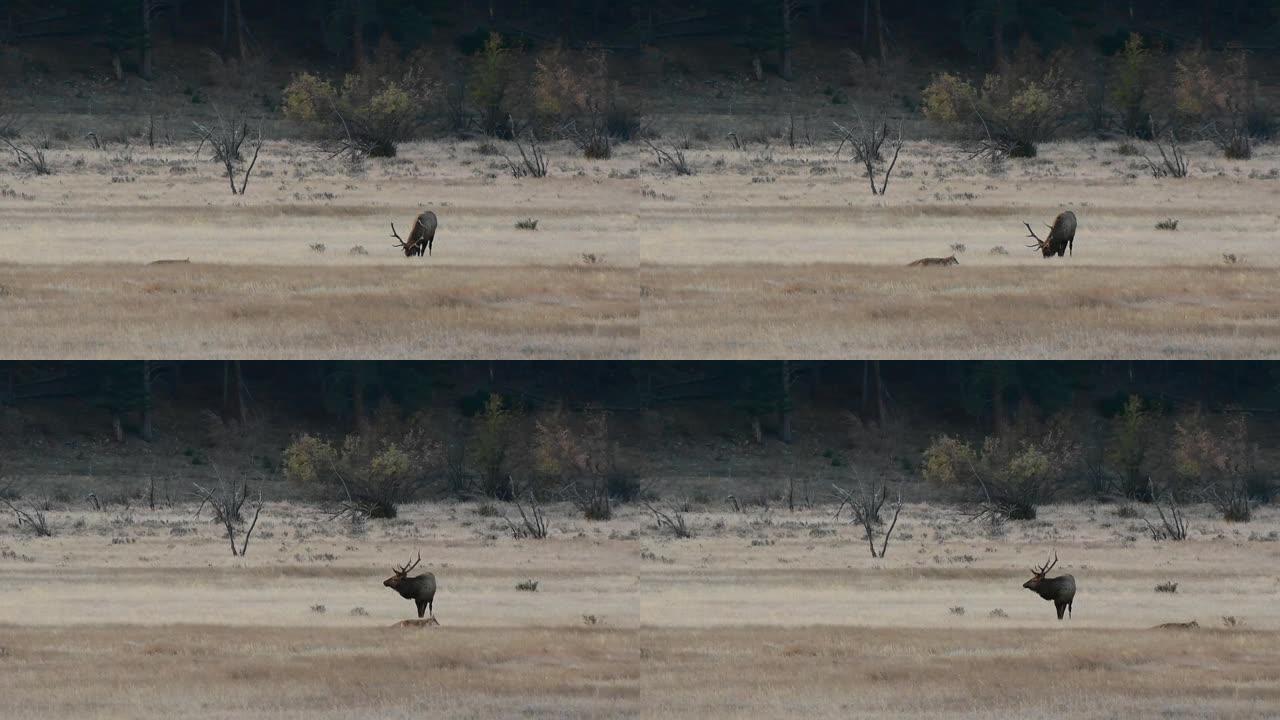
1039 243
404 569
1047 566
396 235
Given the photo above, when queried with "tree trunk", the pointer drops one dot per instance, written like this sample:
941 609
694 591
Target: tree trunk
757 432
241 41
872 393
566 21
175 18
232 399
997 35
146 400
866 29
998 420
784 59
357 401
877 50
145 63
357 33
1206 24
784 410
875 371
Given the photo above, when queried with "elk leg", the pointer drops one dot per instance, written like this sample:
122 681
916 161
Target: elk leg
422 606
1068 609
1061 606
429 609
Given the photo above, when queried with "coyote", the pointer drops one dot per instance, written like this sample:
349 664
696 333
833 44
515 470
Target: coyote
930 262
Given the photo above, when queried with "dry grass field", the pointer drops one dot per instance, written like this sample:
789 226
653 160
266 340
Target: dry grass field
134 613
761 252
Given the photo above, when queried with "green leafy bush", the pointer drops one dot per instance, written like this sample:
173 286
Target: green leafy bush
368 114
1129 448
1011 112
1132 80
1006 479
1215 457
582 461
1221 96
491 81
370 474
491 447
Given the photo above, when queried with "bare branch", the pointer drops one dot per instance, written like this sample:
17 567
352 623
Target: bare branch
865 505
33 519
672 521
675 158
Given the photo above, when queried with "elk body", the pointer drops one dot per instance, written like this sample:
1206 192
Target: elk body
1061 239
421 589
932 262
421 238
1061 590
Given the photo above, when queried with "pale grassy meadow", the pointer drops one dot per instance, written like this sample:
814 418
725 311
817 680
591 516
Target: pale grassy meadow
140 613
763 252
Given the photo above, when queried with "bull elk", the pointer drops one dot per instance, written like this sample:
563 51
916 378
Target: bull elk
1061 590
1062 236
421 238
421 589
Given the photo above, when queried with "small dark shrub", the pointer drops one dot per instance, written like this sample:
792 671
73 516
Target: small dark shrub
624 122
624 487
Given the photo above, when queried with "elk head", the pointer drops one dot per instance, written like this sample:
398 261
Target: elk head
410 248
1037 574
401 573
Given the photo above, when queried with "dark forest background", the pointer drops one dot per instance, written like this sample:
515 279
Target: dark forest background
363 76
768 432
343 31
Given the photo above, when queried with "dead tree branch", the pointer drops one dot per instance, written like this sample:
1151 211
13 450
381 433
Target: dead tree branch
867 142
1173 525
865 504
672 521
32 519
674 158
226 500
226 139
533 522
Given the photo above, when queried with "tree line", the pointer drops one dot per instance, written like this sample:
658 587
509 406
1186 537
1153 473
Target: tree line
982 33
1003 437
